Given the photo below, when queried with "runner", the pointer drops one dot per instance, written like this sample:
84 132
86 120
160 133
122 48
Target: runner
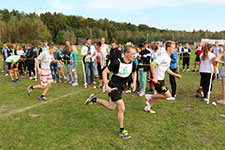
45 58
121 69
158 69
13 63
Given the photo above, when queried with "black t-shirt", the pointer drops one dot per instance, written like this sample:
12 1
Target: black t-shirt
186 52
114 67
115 54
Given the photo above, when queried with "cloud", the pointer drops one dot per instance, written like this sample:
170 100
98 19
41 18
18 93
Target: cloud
135 5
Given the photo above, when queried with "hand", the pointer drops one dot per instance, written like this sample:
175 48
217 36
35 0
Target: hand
133 86
39 71
155 80
179 76
108 90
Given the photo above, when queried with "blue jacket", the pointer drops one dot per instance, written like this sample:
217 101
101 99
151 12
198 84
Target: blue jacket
174 56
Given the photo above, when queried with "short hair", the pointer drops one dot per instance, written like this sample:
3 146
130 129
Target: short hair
128 48
51 46
88 39
113 42
154 46
141 45
169 43
99 43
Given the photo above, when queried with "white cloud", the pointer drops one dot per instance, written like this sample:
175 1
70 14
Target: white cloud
135 5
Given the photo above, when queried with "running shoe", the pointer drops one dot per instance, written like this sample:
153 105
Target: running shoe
13 81
149 109
171 98
17 80
91 99
221 102
124 134
74 84
43 98
29 89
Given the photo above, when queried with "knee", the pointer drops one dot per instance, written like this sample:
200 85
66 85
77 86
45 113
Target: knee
112 107
122 110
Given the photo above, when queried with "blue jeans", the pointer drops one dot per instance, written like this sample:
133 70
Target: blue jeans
55 73
89 65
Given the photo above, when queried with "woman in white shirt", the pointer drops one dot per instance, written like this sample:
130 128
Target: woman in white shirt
222 73
207 68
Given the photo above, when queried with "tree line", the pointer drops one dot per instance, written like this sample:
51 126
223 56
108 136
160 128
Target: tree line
31 28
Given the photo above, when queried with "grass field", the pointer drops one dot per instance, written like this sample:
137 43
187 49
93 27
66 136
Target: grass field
64 122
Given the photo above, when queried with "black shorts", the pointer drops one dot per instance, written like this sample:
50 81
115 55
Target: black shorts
116 94
9 65
197 59
161 87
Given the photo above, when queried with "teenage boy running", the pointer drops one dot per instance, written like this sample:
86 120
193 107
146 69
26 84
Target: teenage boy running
121 68
45 58
158 69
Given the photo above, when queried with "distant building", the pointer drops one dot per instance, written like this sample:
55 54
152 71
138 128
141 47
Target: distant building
212 41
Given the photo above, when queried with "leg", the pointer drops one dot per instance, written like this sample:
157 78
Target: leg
173 83
46 89
86 70
91 72
120 114
15 73
223 88
10 74
108 104
53 71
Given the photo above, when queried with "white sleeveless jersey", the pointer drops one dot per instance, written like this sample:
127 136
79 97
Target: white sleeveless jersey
124 69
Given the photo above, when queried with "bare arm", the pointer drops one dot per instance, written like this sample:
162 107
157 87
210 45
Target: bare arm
153 73
134 78
219 57
174 74
104 77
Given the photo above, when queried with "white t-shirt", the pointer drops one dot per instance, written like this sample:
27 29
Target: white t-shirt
88 57
206 65
20 52
105 49
163 63
46 58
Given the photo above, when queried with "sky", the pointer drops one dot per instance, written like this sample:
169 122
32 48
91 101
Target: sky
186 15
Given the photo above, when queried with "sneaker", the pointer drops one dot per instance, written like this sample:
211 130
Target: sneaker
221 102
142 94
31 78
128 91
17 80
93 82
43 98
149 109
197 95
6 74
124 134
85 85
90 99
171 98
67 81
70 82
13 81
54 81
29 89
74 84
187 70
205 99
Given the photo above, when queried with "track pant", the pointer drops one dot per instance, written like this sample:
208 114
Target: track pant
173 83
69 72
186 61
30 65
205 81
89 66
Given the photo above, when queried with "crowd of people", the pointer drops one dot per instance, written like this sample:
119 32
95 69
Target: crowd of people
132 68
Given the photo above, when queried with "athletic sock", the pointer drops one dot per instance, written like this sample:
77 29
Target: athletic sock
94 100
121 129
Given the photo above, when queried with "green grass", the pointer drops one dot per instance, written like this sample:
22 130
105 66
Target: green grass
66 123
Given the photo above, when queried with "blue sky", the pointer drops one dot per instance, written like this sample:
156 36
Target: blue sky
164 14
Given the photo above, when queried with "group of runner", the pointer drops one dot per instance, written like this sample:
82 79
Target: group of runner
130 68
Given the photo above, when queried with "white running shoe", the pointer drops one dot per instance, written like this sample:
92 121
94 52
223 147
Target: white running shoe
205 99
149 109
6 74
171 98
221 102
142 94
